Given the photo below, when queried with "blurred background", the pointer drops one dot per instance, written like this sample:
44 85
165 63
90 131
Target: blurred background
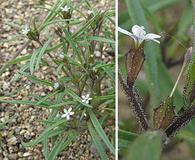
172 19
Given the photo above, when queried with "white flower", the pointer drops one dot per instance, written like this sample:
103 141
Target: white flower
85 115
25 29
94 69
65 9
139 34
67 113
86 98
56 85
61 55
89 11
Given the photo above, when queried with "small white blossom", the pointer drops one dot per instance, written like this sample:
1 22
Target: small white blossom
86 98
94 69
65 9
89 12
139 34
85 115
56 85
27 86
25 29
67 113
61 55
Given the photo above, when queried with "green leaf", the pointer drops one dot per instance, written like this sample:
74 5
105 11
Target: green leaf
183 23
125 135
156 5
45 146
68 102
125 138
136 12
100 131
25 102
85 26
42 51
33 60
186 135
145 147
14 61
35 79
43 134
100 39
72 44
97 142
76 97
62 144
46 97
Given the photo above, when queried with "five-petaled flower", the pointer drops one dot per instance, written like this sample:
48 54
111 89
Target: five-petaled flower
56 85
67 113
139 35
86 98
25 30
65 9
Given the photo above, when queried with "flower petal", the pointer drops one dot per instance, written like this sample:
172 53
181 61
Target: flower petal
65 111
68 117
69 109
138 31
157 41
71 113
63 115
152 36
127 33
87 96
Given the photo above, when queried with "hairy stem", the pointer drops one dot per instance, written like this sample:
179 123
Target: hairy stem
180 121
135 104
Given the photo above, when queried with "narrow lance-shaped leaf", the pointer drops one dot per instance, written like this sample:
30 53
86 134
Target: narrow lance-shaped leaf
97 142
100 131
